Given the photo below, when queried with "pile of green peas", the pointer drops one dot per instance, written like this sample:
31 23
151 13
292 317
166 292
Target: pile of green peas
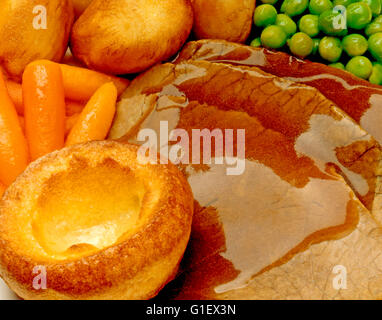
346 34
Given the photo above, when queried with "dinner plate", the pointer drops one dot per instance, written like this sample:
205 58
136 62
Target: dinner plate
6 293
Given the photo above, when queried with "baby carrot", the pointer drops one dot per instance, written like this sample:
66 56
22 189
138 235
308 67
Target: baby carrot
44 107
22 123
95 120
2 189
80 83
13 146
74 107
70 122
16 94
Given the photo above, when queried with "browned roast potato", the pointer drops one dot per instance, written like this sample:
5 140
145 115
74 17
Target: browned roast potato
128 36
229 20
33 29
80 6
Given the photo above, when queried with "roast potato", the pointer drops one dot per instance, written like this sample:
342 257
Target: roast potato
80 6
33 29
129 36
229 20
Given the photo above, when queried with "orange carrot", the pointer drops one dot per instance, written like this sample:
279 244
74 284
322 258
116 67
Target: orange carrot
13 146
22 123
16 94
70 122
95 120
80 83
2 189
74 107
44 107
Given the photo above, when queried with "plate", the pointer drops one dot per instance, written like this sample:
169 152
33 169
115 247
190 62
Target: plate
6 293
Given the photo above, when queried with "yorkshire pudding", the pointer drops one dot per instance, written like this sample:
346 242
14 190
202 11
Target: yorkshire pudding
102 225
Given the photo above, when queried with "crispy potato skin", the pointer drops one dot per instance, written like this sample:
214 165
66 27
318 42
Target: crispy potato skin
129 36
22 43
229 20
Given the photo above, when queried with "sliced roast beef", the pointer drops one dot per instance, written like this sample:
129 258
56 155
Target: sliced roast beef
294 212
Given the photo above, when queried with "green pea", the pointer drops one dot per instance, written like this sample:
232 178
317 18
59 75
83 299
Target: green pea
301 45
319 6
376 74
355 44
256 42
337 65
265 15
330 48
273 37
374 27
359 15
379 18
316 43
332 23
269 1
294 7
344 3
375 46
309 25
286 23
375 6
360 66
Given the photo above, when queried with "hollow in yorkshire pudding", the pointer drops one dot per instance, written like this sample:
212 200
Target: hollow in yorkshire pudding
102 225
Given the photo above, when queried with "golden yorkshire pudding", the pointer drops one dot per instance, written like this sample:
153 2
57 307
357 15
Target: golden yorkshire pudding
101 224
